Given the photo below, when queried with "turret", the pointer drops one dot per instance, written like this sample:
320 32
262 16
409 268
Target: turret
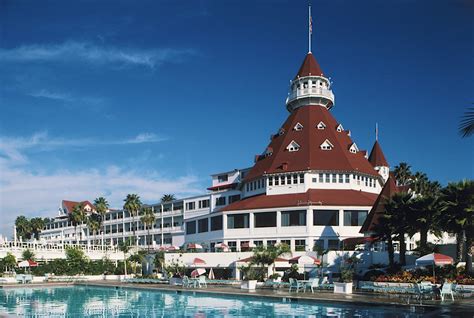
378 161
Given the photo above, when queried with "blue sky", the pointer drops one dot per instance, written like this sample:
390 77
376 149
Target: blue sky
150 97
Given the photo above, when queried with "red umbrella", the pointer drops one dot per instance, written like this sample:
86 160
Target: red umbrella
305 259
199 261
194 246
434 259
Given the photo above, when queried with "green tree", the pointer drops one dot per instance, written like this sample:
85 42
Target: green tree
93 225
132 206
23 227
148 219
101 206
424 218
37 225
76 260
398 211
466 127
125 247
160 260
458 216
28 254
9 262
77 216
266 255
168 198
402 174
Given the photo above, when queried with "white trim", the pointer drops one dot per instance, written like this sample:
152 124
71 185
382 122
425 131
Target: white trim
321 125
339 128
298 127
326 145
353 148
293 146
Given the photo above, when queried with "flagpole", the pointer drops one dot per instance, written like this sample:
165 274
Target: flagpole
309 28
376 131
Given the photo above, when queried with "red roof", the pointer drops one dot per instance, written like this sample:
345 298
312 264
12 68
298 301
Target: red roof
309 67
376 157
69 205
310 156
323 197
378 209
223 187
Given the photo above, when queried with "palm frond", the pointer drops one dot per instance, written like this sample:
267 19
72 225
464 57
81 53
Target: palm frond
466 126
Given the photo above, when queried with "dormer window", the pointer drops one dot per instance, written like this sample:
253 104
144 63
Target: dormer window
339 128
353 148
326 145
268 152
281 132
321 125
348 132
298 127
293 146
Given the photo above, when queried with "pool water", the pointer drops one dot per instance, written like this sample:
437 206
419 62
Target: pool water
85 301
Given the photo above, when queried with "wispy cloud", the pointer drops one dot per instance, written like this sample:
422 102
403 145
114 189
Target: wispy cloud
43 93
11 148
93 53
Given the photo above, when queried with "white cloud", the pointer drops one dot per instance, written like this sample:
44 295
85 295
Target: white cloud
43 93
36 193
23 192
92 53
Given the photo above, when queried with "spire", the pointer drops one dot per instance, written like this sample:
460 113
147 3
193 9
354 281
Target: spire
310 67
376 157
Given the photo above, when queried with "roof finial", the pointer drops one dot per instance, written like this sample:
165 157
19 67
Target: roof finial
376 132
310 27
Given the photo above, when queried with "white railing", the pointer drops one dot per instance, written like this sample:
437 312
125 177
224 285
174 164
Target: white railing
308 92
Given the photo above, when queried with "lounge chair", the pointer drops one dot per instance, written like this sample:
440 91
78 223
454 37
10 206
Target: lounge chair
202 281
28 278
187 282
312 284
20 278
423 289
294 284
447 289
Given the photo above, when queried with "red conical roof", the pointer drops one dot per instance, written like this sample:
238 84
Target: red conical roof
376 157
310 156
378 209
309 67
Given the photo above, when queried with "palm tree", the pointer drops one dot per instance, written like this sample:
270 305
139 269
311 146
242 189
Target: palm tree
424 218
132 206
148 219
466 127
94 227
458 216
402 173
266 255
37 225
77 216
168 198
23 227
101 206
125 247
420 182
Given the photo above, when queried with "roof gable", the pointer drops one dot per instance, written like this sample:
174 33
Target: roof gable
376 157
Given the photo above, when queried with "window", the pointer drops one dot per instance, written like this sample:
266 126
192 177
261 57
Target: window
238 221
301 177
191 227
347 178
334 177
339 128
271 242
190 205
293 218
321 178
277 180
354 218
288 179
282 180
204 204
222 178
258 243
270 181
321 125
234 198
220 201
326 217
293 146
341 178
328 178
266 219
333 244
203 225
232 245
300 245
295 179
315 180
353 148
287 242
298 127
326 145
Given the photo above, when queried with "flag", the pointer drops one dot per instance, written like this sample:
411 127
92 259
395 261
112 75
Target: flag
310 25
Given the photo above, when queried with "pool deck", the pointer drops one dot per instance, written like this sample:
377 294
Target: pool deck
460 307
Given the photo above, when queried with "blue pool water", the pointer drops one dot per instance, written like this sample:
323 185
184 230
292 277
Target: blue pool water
85 301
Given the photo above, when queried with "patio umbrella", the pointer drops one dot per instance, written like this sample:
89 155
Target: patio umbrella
172 248
198 261
434 259
198 272
27 263
194 246
211 274
305 260
222 246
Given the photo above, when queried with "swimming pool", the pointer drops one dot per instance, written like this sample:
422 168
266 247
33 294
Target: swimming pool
86 301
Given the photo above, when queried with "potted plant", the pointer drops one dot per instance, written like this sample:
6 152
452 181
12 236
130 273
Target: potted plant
175 273
251 275
345 284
